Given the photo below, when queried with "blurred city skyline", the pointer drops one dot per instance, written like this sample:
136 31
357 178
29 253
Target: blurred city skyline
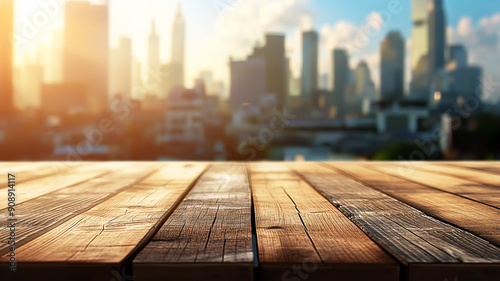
219 29
249 80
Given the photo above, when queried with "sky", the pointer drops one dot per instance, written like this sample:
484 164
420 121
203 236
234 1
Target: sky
220 29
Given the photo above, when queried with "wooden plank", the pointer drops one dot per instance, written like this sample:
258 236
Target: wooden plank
297 228
109 233
492 167
411 236
209 236
52 182
41 214
18 166
477 176
485 194
31 171
472 216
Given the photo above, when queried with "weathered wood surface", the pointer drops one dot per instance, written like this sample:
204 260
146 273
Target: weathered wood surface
44 213
485 166
486 194
54 181
405 232
313 221
472 216
477 176
297 227
31 170
209 232
112 231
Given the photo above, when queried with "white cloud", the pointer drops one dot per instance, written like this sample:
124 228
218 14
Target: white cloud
464 26
243 23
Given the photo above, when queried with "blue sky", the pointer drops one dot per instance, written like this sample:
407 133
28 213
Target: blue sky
328 11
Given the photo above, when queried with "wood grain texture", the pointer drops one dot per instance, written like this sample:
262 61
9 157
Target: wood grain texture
472 216
54 181
297 227
33 171
314 221
477 176
18 167
41 214
211 229
489 195
112 231
408 234
492 167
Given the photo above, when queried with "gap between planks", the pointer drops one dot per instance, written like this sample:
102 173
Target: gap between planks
296 226
98 237
408 234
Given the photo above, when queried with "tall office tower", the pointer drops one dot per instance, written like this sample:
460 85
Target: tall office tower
28 83
248 82
153 70
212 87
309 83
458 81
437 36
121 69
276 67
392 67
364 83
457 56
86 51
177 60
420 33
340 80
324 81
6 53
56 64
421 76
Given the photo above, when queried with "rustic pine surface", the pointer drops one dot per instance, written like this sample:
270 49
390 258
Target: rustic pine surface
253 221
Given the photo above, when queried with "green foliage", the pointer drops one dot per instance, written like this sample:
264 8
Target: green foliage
406 151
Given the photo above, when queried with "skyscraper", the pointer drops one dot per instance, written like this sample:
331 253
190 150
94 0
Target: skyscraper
273 54
309 66
458 81
340 79
364 84
392 67
420 33
457 55
248 82
421 75
6 77
86 51
121 68
28 81
212 87
177 60
437 36
56 64
153 56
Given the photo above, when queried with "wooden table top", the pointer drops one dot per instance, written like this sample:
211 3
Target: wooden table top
296 221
